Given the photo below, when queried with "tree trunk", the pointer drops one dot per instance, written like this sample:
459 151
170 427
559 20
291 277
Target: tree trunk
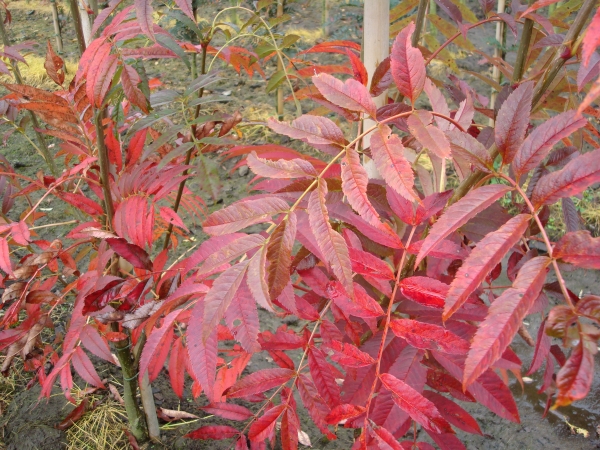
57 33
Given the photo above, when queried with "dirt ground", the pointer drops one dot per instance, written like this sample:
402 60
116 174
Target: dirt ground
28 424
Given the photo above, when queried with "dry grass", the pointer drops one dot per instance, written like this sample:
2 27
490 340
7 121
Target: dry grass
35 75
9 387
101 428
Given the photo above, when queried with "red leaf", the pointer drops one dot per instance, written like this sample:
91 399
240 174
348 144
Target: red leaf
104 14
223 249
320 132
220 296
130 80
418 407
229 411
364 263
74 415
242 214
202 353
488 253
216 432
330 242
279 255
539 143
444 250
424 290
429 136
542 348
94 343
171 217
408 65
382 78
83 203
591 39
580 249
5 263
343 412
350 94
453 413
489 390
361 306
242 319
512 121
264 426
354 186
177 367
471 150
348 355
575 177
388 153
259 382
504 318
428 336
186 8
132 253
97 70
53 65
323 376
459 213
157 347
293 168
136 146
575 378
85 368
143 12
290 428
314 403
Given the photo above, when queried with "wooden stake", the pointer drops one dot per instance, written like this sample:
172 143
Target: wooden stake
376 47
280 68
57 33
496 74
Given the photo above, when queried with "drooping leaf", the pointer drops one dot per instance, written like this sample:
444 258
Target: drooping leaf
331 244
504 318
574 178
84 367
453 413
365 263
512 121
428 336
279 255
92 340
350 94
418 407
388 153
243 214
539 143
580 249
382 78
5 263
225 249
429 136
130 80
135 255
156 349
488 253
362 305
143 10
354 186
54 65
177 365
459 213
259 382
408 65
575 378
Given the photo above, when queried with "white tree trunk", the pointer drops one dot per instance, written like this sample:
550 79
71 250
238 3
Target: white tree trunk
376 47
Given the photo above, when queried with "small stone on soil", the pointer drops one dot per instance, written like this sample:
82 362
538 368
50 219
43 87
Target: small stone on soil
243 171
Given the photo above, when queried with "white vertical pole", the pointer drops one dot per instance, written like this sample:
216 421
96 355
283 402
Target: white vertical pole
376 47
85 24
